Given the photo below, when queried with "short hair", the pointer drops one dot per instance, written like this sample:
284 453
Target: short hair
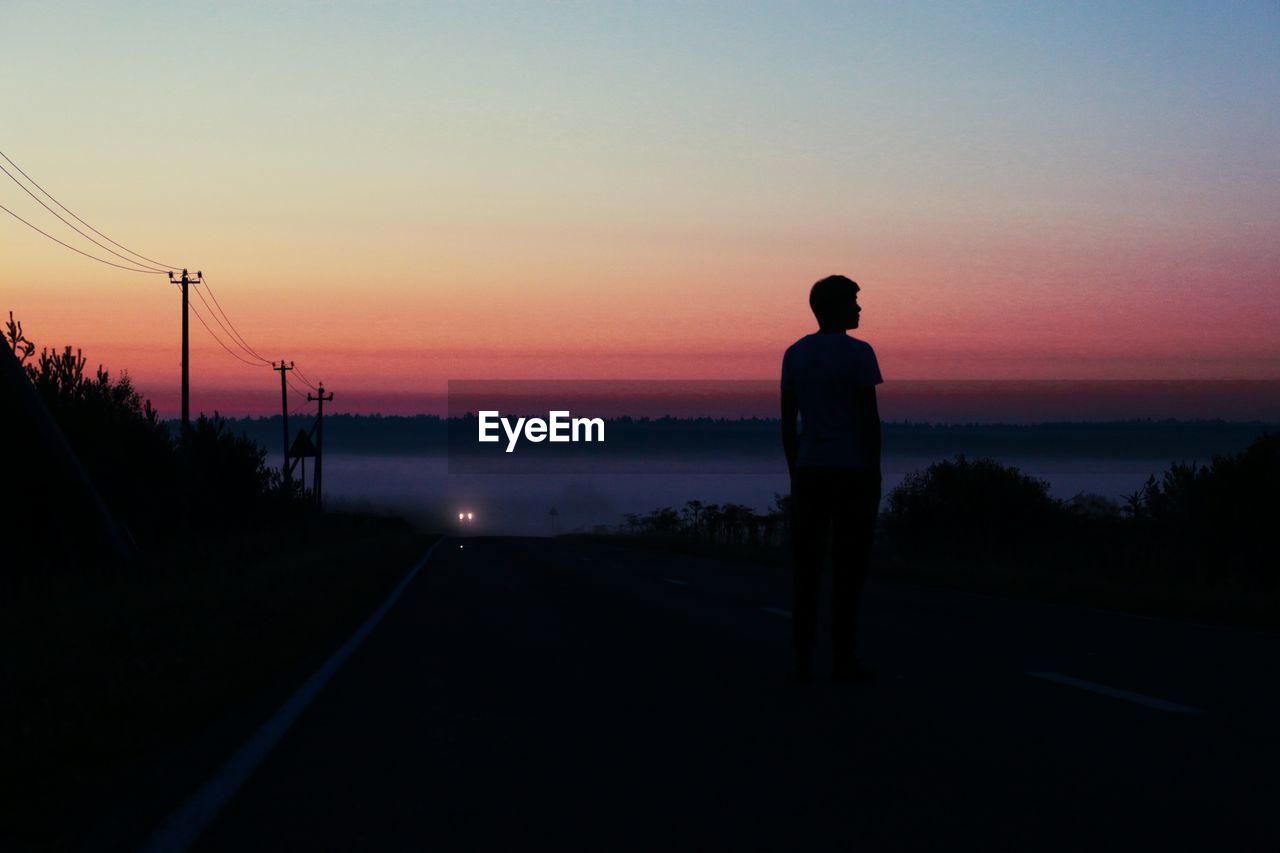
827 295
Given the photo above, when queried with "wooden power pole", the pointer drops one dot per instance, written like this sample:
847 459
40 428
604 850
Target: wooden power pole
186 282
284 410
320 398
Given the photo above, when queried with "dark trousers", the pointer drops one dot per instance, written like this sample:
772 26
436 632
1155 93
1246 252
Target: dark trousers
836 505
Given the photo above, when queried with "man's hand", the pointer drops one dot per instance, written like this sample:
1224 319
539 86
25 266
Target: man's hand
871 427
790 432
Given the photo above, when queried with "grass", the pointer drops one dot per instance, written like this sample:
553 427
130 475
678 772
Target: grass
103 675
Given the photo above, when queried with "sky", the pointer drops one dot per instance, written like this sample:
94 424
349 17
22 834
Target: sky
393 195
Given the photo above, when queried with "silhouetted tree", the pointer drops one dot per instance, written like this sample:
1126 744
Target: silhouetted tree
1218 515
663 522
117 435
133 459
970 508
22 348
693 515
230 479
777 520
713 517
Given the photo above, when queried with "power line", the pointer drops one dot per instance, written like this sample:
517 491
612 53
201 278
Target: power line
79 251
305 380
229 350
81 221
62 219
234 334
213 335
300 393
294 388
214 315
234 331
140 263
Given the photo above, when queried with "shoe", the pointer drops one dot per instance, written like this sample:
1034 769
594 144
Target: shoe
851 672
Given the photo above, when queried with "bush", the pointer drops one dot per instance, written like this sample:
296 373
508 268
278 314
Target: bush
971 508
731 524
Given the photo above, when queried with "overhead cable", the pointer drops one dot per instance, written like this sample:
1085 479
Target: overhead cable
214 315
64 221
80 251
81 221
234 332
214 335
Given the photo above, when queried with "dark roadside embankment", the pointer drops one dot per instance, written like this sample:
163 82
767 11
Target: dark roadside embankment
112 680
161 589
1197 543
1041 574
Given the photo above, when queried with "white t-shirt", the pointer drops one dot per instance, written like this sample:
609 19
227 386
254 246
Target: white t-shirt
824 371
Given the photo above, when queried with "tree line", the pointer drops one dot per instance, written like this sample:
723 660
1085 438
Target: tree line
715 524
1196 525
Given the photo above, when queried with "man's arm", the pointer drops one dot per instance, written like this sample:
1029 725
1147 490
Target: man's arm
871 427
790 435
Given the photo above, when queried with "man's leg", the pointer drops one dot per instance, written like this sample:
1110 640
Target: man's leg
807 530
856 505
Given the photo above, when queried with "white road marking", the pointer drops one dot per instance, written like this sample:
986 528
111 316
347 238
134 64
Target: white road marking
676 582
1116 693
777 611
185 825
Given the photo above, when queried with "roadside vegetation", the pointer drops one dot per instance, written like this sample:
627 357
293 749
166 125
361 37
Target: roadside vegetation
237 584
152 486
1195 542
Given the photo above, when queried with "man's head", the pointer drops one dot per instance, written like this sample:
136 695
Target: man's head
834 301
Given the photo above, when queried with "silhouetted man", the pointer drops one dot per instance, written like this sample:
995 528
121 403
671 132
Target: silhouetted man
829 381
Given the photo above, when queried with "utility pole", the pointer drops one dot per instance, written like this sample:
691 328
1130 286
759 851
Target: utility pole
284 410
186 281
319 398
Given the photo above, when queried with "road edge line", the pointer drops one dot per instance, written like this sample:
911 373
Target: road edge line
185 825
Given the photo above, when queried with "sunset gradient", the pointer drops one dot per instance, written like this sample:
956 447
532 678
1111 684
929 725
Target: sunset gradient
394 195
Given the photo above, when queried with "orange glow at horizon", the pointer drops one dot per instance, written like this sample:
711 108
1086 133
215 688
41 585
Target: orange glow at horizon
412 341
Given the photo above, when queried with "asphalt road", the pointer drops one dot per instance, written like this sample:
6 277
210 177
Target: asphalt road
562 694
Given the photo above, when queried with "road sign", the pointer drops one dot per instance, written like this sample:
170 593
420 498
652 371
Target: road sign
302 446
